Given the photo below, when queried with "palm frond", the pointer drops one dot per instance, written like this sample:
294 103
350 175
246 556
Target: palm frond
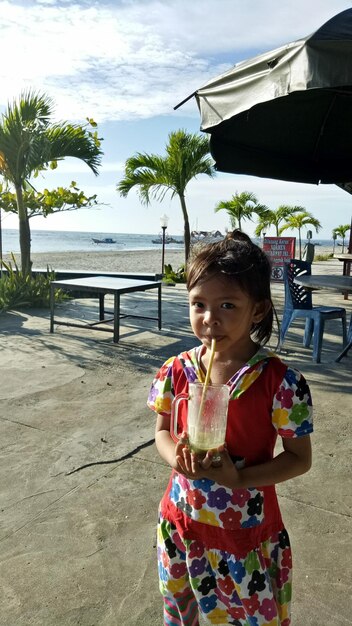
71 140
149 173
188 157
28 141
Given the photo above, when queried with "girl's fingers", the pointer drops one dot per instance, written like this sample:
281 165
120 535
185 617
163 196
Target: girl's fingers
226 457
196 464
179 461
182 465
187 459
184 438
206 462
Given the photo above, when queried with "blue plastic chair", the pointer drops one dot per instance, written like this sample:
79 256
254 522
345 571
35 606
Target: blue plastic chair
298 304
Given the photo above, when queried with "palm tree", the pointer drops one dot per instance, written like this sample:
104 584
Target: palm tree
29 142
275 217
187 156
298 220
340 231
241 207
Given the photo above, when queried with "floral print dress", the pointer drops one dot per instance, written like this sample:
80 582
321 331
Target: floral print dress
221 551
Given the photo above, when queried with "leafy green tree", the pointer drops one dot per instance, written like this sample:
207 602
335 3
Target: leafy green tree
275 217
30 143
240 207
297 221
46 202
187 156
340 231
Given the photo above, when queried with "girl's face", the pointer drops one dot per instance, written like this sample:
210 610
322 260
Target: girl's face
220 310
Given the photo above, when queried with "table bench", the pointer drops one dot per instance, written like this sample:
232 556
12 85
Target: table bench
66 274
100 286
346 259
336 283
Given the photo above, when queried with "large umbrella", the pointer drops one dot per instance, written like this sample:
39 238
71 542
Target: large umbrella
286 114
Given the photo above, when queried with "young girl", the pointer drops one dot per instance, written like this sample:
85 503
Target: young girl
222 546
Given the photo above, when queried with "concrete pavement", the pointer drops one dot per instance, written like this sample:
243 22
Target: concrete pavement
80 478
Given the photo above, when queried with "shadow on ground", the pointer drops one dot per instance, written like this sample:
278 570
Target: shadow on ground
80 478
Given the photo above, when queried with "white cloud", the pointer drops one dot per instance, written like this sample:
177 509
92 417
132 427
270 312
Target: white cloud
206 27
125 60
131 59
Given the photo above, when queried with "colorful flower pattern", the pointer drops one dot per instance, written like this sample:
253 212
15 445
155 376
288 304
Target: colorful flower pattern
245 592
256 590
292 406
292 403
206 501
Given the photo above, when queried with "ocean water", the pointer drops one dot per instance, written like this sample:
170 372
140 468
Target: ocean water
74 241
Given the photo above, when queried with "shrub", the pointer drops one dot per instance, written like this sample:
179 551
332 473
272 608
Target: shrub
323 257
171 276
18 291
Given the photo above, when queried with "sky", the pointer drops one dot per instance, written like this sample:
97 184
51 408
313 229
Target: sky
126 64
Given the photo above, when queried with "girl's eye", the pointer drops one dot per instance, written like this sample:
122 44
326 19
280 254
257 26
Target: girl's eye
227 305
198 305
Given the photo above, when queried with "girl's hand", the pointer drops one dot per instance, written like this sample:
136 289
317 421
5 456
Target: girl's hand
224 471
180 448
216 465
189 463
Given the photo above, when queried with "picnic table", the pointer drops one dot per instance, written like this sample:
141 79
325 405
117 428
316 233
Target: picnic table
100 286
346 259
336 283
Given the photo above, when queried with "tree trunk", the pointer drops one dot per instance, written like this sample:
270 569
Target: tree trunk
300 244
25 233
187 232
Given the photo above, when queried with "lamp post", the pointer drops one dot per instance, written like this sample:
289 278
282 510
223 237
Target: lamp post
263 233
164 220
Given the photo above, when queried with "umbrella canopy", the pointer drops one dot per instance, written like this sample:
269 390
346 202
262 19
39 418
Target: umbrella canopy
286 114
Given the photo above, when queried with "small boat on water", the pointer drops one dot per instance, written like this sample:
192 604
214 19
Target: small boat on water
105 240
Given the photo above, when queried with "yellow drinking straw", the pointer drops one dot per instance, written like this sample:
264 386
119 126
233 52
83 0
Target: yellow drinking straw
207 377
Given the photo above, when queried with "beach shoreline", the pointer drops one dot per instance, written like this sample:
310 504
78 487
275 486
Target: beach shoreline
148 261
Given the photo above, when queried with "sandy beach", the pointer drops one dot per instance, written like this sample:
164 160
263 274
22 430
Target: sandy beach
127 261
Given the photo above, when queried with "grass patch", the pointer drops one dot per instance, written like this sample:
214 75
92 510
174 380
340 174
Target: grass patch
323 257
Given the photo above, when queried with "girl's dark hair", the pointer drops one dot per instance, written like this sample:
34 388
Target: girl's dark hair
237 259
